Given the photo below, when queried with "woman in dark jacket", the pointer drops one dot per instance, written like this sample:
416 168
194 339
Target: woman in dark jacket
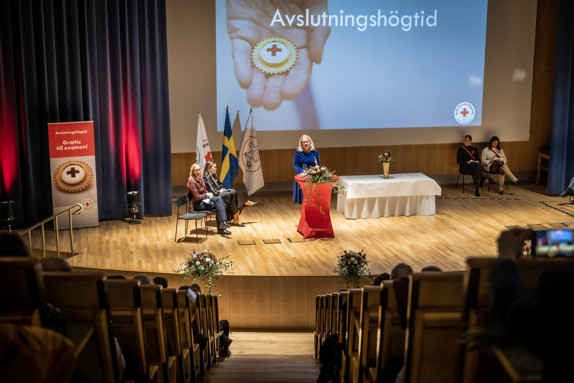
229 196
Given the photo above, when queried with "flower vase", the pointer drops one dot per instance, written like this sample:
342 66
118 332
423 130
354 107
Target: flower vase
386 166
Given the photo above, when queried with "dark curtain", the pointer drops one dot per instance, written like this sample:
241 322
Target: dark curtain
561 168
85 60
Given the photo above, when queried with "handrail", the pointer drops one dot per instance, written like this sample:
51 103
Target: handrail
54 218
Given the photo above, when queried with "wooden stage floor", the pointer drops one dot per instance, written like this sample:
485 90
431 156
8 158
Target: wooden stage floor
463 226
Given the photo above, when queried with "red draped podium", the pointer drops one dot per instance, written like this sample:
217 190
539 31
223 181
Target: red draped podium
315 222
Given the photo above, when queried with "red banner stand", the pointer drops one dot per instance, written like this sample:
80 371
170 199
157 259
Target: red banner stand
315 221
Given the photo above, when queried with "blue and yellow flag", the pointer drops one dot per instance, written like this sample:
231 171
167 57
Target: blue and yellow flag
229 164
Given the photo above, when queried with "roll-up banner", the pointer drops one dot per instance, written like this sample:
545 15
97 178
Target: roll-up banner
73 169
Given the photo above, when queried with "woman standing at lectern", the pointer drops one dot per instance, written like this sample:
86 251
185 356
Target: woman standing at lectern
305 156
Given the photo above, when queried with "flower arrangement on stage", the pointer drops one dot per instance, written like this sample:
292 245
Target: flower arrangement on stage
204 267
386 157
352 267
527 248
320 174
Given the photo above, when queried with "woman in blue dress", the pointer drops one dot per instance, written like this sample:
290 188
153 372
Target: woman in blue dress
305 156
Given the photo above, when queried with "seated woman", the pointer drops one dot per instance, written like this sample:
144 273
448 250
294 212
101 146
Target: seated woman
468 161
230 197
203 200
494 161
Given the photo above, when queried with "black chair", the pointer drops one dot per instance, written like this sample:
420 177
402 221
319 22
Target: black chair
189 216
457 179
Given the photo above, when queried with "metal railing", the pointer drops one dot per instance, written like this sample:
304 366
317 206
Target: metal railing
54 218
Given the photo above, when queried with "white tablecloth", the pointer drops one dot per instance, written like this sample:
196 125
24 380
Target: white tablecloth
400 194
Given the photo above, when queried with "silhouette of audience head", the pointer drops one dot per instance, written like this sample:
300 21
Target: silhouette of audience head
382 277
431 268
195 288
13 245
144 279
160 281
401 270
55 264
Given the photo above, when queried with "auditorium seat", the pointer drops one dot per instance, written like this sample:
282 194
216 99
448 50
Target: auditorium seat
22 278
170 310
318 324
126 315
391 336
434 312
478 365
214 318
156 344
82 298
186 332
352 337
368 328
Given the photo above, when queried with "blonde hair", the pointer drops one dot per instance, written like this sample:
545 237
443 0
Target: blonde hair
300 148
196 165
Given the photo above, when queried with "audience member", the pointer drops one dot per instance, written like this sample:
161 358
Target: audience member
160 281
13 245
382 277
144 279
224 340
401 270
540 320
431 268
35 354
55 264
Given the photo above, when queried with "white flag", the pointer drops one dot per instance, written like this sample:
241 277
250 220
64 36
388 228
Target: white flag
249 160
202 149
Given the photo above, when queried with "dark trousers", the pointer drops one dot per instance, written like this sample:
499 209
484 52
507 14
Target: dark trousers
215 202
474 169
231 202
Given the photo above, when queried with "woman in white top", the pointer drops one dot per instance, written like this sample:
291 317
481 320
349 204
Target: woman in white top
494 161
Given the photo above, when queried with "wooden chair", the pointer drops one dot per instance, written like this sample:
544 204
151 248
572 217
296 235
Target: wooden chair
186 319
327 317
334 313
82 298
126 315
352 335
154 333
477 365
198 317
343 336
391 335
368 326
318 327
22 278
170 310
201 313
215 320
434 312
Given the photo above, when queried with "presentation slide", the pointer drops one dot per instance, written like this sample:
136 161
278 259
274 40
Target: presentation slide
347 64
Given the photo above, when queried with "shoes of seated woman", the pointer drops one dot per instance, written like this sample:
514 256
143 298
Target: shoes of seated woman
238 224
223 232
250 203
566 193
224 225
501 192
476 193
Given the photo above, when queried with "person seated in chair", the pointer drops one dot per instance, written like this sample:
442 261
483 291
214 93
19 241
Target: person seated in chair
203 200
494 161
230 196
469 163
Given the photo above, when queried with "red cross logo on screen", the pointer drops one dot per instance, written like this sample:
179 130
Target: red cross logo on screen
274 49
73 172
464 112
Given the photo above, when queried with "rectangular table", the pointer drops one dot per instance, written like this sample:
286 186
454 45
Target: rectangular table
401 194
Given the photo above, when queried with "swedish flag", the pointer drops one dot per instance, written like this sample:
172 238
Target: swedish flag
229 164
